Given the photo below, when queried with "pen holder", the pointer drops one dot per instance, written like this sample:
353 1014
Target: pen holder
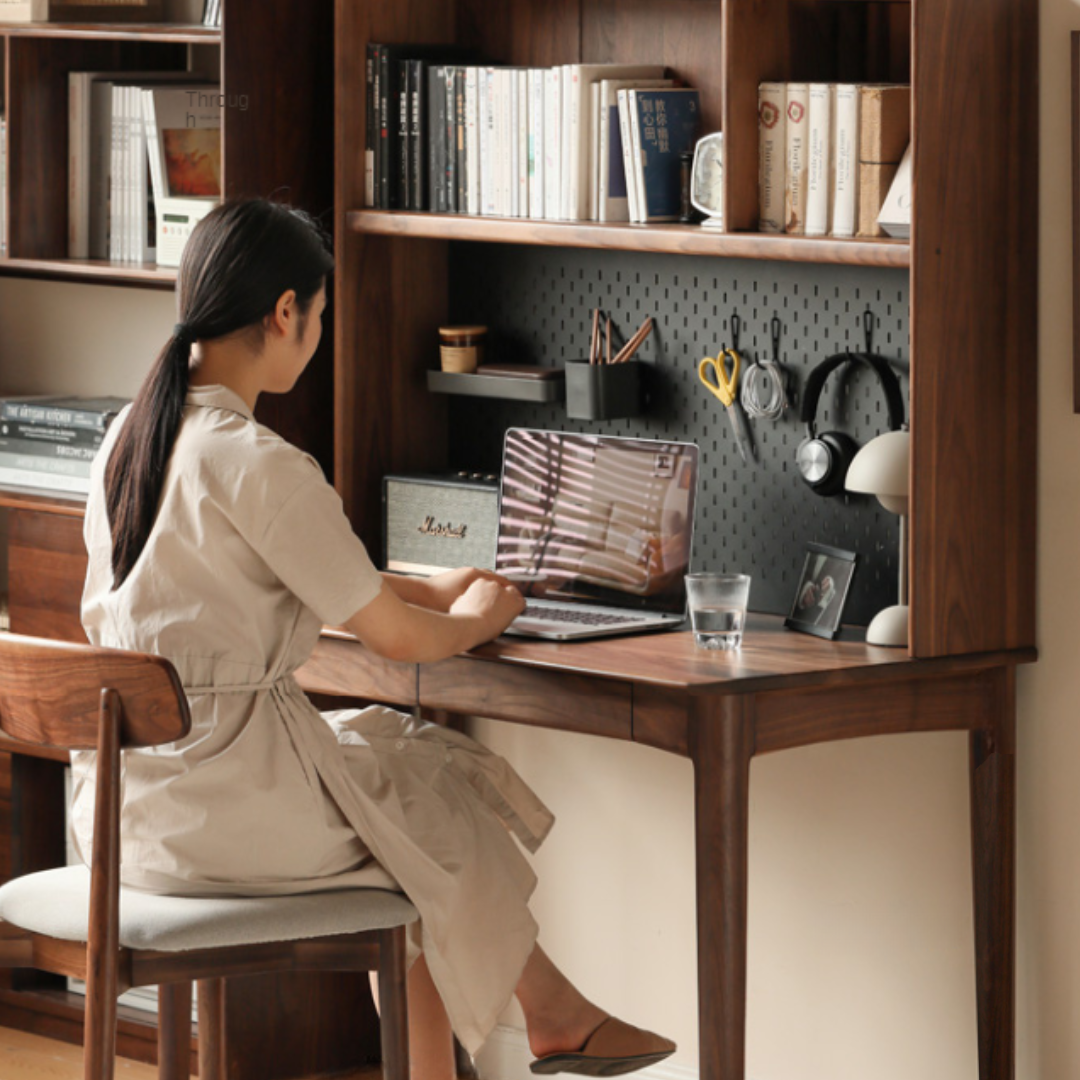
603 391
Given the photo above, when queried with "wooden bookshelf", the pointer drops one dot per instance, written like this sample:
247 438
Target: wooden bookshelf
170 32
663 239
92 272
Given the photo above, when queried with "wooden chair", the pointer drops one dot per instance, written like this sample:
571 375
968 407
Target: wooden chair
81 923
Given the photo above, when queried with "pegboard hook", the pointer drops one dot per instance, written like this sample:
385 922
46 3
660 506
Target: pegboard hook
776 327
869 321
736 331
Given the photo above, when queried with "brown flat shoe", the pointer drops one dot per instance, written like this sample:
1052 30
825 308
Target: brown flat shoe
612 1049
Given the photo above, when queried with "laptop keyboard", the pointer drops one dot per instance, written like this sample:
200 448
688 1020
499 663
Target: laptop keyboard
569 615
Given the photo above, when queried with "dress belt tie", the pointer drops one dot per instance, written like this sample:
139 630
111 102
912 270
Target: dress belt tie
235 688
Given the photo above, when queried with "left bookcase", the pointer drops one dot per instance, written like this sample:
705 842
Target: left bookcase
279 59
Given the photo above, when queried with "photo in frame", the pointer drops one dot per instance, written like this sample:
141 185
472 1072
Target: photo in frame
818 605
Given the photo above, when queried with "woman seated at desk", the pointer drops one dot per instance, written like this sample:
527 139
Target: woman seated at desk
217 544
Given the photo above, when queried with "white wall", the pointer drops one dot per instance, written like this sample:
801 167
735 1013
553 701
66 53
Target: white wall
860 922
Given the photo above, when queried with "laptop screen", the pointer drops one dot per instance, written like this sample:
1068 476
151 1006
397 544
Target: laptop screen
597 518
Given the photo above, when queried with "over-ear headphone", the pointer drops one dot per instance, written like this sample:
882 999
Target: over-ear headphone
823 459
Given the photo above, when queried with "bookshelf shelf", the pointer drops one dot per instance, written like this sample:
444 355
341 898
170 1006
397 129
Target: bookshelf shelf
167 32
13 498
671 239
92 271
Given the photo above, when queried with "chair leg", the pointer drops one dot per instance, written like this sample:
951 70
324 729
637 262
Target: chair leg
393 1004
174 1031
211 1029
99 1029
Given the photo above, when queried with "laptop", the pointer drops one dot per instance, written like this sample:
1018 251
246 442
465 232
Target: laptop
596 531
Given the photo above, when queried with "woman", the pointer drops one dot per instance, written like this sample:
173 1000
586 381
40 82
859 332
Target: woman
215 543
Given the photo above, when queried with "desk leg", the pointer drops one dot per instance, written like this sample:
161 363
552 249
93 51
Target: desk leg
722 743
993 834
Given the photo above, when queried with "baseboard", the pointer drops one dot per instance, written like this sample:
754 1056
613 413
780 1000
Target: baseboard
506 1056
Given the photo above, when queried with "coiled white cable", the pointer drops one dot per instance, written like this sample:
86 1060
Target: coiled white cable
764 392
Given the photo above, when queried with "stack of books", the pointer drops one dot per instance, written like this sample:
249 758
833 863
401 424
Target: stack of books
828 153
3 186
139 142
50 442
447 136
211 13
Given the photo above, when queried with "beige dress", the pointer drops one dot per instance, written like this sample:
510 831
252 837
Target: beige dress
249 556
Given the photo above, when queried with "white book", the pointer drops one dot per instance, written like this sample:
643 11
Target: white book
143 249
3 184
820 166
536 143
594 151
115 177
521 131
612 200
798 158
580 134
472 140
632 195
487 132
514 145
846 173
565 137
504 142
772 156
552 142
48 481
895 215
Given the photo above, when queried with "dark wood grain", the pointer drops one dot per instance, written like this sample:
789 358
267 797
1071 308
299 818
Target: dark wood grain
393 975
670 239
547 699
721 745
1075 50
46 571
526 33
992 764
159 32
92 272
974 311
53 503
212 1064
333 669
174 1031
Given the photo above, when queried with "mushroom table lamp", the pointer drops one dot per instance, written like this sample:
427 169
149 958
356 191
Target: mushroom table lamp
882 468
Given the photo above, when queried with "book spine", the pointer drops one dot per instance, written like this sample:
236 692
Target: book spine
54 466
459 141
502 143
114 175
552 141
623 100
536 143
772 156
487 141
89 419
78 165
846 178
418 197
376 110
28 478
450 122
100 165
75 443
387 158
594 151
371 129
798 103
521 133
636 159
819 166
472 139
437 148
403 151
566 143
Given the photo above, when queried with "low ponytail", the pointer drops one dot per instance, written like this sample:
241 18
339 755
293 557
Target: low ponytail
237 263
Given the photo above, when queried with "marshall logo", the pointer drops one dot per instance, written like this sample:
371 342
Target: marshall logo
450 532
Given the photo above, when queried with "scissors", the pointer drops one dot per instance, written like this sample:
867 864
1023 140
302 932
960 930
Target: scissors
723 383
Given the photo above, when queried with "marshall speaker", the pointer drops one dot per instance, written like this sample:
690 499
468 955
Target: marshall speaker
434 523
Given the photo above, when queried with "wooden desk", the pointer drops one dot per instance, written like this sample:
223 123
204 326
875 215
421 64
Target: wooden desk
781 690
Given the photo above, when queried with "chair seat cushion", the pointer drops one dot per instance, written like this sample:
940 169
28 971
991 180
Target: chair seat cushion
57 903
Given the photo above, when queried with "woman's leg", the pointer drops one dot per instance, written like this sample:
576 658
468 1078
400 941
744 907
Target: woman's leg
557 1015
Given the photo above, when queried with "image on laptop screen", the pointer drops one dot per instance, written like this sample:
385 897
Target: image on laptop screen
596 518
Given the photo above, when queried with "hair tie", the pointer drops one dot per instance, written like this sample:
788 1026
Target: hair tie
184 334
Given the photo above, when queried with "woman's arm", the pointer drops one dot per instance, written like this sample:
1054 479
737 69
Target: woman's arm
403 631
439 592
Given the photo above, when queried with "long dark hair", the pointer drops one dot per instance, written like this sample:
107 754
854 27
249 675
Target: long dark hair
237 263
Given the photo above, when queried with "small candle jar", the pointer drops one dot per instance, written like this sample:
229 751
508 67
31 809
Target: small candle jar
461 348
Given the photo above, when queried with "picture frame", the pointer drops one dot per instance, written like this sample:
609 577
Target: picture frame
822 590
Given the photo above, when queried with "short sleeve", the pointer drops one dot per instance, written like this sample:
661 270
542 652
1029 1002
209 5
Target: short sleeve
311 547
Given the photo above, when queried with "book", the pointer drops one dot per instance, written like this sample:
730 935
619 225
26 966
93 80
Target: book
487 139
552 143
93 414
580 130
416 82
41 463
846 157
437 149
461 201
522 134
3 184
612 199
884 133
536 169
33 478
895 216
70 451
664 123
472 140
633 194
819 165
449 118
401 114
370 123
772 156
797 158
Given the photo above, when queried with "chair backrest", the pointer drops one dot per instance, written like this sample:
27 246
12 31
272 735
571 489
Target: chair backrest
51 694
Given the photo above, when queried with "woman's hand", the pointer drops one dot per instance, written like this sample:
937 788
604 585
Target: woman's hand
444 589
495 603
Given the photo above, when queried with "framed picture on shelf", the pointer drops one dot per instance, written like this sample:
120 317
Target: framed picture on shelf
820 596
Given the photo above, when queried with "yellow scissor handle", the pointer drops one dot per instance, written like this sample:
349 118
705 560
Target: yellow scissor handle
713 372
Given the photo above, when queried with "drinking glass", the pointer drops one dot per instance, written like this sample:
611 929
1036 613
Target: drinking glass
718 608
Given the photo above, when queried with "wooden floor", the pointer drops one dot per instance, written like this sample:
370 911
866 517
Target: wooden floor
30 1057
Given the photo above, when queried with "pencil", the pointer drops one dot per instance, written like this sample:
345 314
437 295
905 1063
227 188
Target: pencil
608 360
635 342
594 340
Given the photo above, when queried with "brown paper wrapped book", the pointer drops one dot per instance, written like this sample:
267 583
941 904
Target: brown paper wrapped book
884 133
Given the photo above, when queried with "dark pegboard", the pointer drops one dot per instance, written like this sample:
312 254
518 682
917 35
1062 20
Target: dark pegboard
755 519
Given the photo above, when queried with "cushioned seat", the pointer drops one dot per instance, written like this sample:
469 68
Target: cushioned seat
57 903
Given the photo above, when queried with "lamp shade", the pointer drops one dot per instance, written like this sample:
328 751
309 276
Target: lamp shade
882 468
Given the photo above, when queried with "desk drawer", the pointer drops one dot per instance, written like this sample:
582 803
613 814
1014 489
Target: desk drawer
528 695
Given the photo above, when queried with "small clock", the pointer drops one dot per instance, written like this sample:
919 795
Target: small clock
707 179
